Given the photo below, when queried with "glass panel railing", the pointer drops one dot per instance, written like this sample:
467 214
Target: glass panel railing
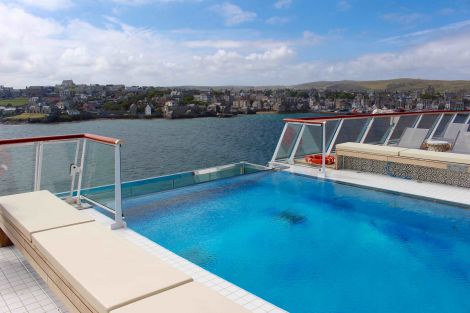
404 122
311 141
169 182
57 158
428 121
379 130
98 173
351 131
443 125
461 118
17 168
288 140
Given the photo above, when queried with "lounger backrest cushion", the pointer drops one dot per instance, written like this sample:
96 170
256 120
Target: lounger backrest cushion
413 138
462 144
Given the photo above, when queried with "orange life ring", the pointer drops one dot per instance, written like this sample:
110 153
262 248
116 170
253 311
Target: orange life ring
317 159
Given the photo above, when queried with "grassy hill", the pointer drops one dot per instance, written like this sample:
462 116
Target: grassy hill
16 102
400 84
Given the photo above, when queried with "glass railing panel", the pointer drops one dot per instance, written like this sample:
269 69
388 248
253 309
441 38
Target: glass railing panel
351 131
379 130
404 122
288 141
98 173
17 167
311 141
461 118
443 125
57 157
428 121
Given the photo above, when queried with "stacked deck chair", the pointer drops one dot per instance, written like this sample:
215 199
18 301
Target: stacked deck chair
93 269
462 144
413 138
452 132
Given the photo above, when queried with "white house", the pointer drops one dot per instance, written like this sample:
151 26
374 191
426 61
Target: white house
148 110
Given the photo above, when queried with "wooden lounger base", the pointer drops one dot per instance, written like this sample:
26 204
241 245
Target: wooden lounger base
4 240
57 284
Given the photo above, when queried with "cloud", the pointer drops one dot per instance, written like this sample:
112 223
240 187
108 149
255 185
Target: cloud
41 51
343 5
281 4
49 5
144 2
405 18
233 14
277 20
428 33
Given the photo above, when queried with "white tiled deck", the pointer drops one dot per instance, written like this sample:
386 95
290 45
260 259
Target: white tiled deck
22 290
458 195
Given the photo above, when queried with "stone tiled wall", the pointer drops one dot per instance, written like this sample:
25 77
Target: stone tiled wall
406 171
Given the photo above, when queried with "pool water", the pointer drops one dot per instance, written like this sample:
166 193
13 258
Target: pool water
308 245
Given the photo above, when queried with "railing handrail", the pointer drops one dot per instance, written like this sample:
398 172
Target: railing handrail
98 138
321 119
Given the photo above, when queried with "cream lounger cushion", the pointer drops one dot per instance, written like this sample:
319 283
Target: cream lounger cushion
106 269
189 298
33 212
446 157
367 148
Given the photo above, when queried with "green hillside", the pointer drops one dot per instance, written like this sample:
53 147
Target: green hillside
401 84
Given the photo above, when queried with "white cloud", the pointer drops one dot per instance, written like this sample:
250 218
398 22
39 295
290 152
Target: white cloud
233 14
40 51
50 5
280 4
343 5
405 18
144 2
277 20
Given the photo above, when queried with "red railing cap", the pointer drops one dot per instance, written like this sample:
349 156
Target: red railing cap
97 138
321 119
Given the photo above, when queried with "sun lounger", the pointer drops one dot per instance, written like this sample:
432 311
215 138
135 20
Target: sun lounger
452 132
189 298
413 138
104 268
93 269
462 144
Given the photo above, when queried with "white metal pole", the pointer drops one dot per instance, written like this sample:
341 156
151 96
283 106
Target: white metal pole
468 119
118 220
367 130
296 146
391 130
36 167
80 174
323 149
39 167
439 120
332 144
276 151
75 161
418 121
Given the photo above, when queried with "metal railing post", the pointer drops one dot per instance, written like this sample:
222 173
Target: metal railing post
38 167
80 174
75 161
439 120
323 149
118 219
296 146
366 132
278 146
389 135
332 144
418 121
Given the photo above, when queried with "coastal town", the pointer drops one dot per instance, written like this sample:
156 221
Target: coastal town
70 102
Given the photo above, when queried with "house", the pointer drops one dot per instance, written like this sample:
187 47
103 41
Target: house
148 110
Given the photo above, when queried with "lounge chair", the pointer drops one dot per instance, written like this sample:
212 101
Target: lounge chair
452 132
462 143
413 138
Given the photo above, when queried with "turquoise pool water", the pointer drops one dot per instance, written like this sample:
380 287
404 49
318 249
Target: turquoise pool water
308 245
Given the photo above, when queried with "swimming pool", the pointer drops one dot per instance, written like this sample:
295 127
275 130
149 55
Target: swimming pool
309 245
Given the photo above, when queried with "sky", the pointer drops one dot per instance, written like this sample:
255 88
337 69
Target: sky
236 42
